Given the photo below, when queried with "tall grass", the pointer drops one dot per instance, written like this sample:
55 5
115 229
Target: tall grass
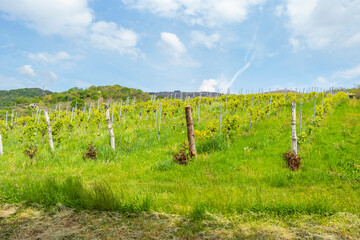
245 173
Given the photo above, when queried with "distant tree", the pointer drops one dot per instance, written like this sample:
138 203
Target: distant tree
80 103
105 95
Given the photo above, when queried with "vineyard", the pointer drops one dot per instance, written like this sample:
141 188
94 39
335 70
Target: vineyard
240 141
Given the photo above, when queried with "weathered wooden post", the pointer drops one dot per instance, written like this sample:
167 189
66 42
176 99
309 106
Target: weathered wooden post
190 131
1 147
109 124
293 127
49 130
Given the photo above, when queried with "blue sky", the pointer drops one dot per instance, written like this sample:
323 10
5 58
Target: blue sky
186 45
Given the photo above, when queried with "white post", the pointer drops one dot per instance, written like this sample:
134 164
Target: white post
49 130
199 110
1 147
220 119
293 127
314 109
270 104
159 122
109 124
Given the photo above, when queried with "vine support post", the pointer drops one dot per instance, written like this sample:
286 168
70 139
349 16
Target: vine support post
1 147
190 131
159 122
300 117
199 110
293 127
220 120
109 124
314 109
47 119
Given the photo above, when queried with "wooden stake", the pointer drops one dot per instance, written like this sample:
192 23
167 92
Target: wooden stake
293 127
109 124
49 130
190 131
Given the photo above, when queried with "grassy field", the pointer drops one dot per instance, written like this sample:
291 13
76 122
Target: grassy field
236 187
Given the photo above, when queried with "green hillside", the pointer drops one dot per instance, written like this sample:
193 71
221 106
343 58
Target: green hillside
19 96
22 97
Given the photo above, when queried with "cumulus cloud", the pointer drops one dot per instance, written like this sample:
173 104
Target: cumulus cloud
63 17
109 36
324 23
209 85
172 43
209 41
26 71
45 57
222 85
209 13
177 51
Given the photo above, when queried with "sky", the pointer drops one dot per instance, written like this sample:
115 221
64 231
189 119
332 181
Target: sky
187 45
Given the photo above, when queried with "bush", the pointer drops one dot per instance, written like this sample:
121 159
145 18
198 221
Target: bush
91 152
30 151
183 156
293 160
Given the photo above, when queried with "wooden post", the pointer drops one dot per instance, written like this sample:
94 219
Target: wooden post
49 130
109 124
190 131
1 147
293 127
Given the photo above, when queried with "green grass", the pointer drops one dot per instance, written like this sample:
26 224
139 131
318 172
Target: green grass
229 177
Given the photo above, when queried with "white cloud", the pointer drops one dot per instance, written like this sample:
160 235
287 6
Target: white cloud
177 51
108 36
222 85
26 71
172 43
209 41
325 23
202 12
52 58
209 85
350 73
63 17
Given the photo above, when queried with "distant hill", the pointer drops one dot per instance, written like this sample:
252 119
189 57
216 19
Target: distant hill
20 96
